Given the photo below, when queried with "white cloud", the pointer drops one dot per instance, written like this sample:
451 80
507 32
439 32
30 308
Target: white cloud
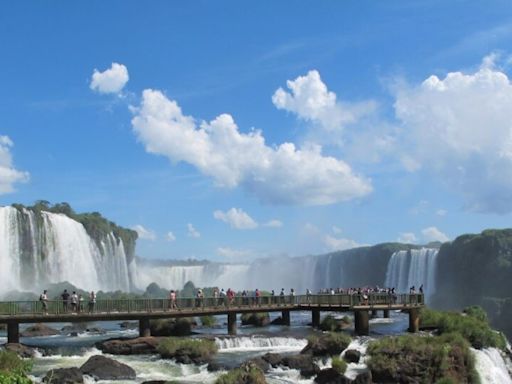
459 129
234 254
434 234
192 232
145 234
441 212
338 243
219 150
310 99
336 230
407 238
236 218
8 174
111 80
170 236
273 223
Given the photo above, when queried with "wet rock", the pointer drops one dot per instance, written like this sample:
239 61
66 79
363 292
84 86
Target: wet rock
102 368
278 321
328 344
137 346
363 378
352 356
20 349
258 362
274 359
258 319
303 363
331 376
39 330
64 376
214 366
172 327
129 325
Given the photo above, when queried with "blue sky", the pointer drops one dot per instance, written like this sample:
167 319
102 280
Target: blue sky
265 129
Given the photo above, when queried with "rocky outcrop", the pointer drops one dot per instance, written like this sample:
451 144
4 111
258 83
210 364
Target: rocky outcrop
172 327
64 376
102 368
257 319
352 356
331 376
137 346
21 350
303 363
39 330
328 344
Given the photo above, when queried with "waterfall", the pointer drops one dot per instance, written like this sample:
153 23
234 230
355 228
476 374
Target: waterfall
259 343
491 366
413 267
42 248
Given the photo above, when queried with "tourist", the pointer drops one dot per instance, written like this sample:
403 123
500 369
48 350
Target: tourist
215 296
44 301
273 297
92 301
222 298
74 302
421 289
257 295
65 298
80 303
245 301
281 295
199 298
308 296
172 299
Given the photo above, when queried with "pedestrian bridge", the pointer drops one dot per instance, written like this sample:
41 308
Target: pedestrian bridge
15 312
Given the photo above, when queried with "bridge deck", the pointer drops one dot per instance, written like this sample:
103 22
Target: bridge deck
114 310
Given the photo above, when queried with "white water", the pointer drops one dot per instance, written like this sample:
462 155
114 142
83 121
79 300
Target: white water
58 249
491 366
257 343
415 267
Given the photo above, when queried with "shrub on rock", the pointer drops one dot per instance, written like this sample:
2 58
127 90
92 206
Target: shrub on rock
328 344
187 351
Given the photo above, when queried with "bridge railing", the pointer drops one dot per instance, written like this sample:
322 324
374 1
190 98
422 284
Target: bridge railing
345 301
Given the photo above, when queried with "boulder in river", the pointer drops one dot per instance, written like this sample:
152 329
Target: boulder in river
20 349
102 368
257 319
39 329
64 376
331 376
352 356
137 346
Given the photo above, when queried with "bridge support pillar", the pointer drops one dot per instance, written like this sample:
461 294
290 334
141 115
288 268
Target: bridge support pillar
315 318
232 323
414 320
13 332
362 324
144 328
374 314
286 317
385 313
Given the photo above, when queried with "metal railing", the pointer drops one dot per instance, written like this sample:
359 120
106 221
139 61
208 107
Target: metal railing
345 301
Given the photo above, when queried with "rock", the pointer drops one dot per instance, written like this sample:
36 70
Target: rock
64 376
257 319
171 327
137 346
96 330
278 321
214 366
363 378
274 359
20 349
129 325
331 376
102 368
352 356
304 363
39 330
258 362
74 327
328 344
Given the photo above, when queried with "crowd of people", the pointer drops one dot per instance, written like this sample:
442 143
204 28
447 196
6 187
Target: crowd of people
71 303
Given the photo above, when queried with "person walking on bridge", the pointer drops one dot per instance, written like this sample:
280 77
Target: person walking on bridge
44 301
65 300
92 301
172 299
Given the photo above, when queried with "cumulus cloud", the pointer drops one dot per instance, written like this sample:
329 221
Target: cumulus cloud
111 80
273 223
236 218
434 234
459 129
145 234
8 174
192 232
170 236
310 100
219 150
407 238
334 243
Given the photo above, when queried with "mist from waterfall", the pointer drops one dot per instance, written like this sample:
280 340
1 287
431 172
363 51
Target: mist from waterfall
50 248
413 267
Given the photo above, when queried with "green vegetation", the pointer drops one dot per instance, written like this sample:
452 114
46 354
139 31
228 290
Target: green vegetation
244 375
258 319
195 349
208 321
422 359
472 325
331 324
328 344
339 365
13 370
172 327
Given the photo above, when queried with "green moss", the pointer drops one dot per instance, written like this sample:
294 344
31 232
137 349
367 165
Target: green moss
331 324
252 375
195 348
339 365
328 344
208 321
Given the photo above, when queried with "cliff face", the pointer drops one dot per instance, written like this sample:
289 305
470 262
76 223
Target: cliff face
477 270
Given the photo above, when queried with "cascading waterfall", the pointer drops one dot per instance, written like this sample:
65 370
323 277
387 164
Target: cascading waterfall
413 268
259 343
49 248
